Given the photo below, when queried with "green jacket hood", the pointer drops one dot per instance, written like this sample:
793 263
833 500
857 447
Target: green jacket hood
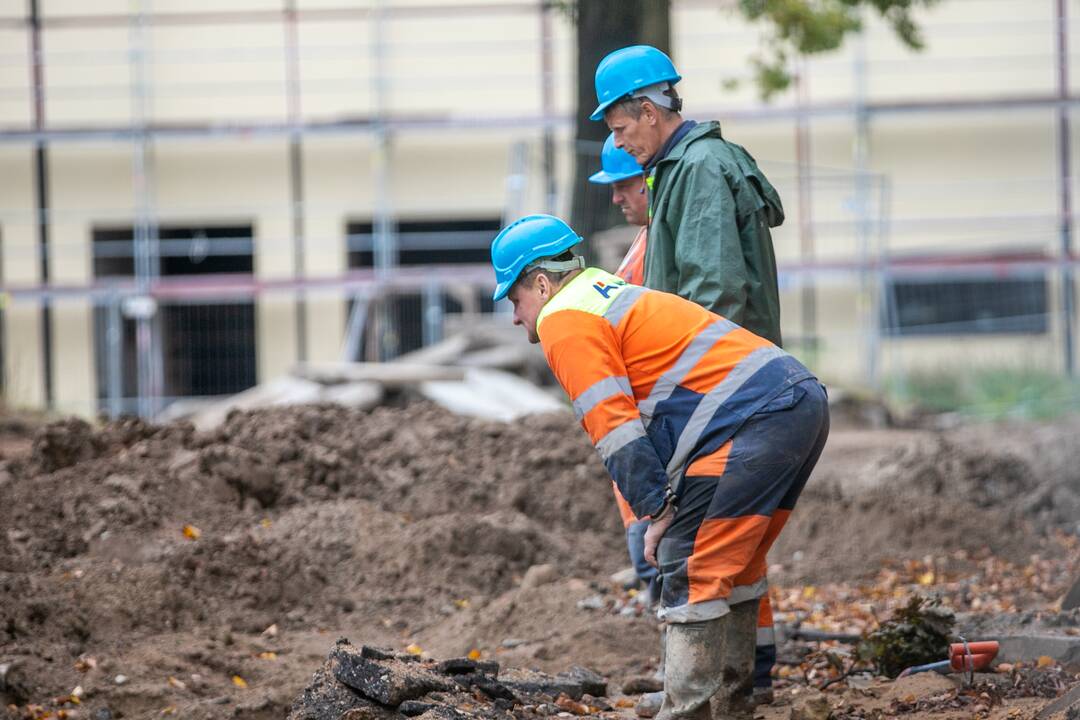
767 194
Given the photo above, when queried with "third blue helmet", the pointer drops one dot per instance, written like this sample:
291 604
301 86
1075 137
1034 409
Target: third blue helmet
615 164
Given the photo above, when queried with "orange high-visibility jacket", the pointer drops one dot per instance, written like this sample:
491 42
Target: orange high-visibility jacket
657 381
632 267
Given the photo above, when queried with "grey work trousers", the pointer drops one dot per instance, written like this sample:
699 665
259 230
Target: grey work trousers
709 666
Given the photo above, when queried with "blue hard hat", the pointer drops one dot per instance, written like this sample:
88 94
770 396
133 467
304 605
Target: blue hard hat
629 69
616 164
524 241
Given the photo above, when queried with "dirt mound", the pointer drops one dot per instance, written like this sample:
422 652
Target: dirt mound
394 525
935 494
298 517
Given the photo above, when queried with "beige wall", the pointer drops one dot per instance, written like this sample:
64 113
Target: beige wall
963 181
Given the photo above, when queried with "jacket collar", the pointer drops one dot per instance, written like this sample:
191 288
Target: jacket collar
698 131
680 132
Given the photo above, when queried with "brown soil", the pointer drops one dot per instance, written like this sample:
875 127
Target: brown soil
400 526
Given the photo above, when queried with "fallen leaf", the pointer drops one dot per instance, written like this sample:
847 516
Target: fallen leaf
927 578
239 681
474 654
414 649
168 710
85 664
571 705
178 684
624 702
1045 661
462 604
266 522
191 533
268 655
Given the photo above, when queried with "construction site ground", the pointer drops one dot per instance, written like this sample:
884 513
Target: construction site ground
156 570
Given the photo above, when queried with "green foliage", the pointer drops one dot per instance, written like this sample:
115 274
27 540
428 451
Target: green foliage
806 27
989 392
916 634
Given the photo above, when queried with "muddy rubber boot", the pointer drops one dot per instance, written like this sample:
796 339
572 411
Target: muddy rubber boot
693 666
734 700
659 675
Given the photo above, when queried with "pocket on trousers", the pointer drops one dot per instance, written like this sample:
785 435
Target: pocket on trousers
786 400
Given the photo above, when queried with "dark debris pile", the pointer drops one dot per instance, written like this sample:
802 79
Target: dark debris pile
370 683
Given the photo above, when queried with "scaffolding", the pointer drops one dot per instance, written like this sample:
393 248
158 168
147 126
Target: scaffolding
873 265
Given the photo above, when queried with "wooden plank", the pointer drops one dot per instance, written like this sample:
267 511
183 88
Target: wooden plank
390 375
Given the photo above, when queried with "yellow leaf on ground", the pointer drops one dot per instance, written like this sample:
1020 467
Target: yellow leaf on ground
239 681
266 522
462 604
169 710
268 655
927 578
474 654
414 649
1045 661
191 532
808 592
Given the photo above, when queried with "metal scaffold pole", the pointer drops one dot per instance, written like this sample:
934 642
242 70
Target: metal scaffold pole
547 102
41 191
143 308
1068 312
296 168
385 251
805 180
869 298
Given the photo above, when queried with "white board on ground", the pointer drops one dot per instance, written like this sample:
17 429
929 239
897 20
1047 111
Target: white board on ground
492 395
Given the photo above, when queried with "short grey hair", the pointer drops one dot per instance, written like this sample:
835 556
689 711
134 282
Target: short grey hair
631 104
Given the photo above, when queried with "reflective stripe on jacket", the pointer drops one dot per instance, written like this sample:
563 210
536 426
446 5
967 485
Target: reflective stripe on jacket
656 381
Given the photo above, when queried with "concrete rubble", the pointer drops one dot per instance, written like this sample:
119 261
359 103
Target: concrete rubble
481 374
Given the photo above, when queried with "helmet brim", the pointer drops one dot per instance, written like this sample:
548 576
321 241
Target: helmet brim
598 113
502 289
605 178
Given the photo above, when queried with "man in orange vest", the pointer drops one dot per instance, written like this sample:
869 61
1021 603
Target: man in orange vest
708 430
621 171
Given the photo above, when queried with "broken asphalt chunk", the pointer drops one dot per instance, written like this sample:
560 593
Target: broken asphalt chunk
591 682
389 682
465 666
533 682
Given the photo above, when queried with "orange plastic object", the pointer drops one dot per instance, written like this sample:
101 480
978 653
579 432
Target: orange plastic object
967 663
977 648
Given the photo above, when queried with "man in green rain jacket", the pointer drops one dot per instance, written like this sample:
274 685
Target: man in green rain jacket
710 206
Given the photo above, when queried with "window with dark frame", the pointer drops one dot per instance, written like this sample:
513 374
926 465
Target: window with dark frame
426 242
208 348
966 306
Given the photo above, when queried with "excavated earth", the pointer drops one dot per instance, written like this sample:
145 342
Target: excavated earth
155 570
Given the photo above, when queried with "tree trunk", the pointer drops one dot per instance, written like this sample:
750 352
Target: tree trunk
604 26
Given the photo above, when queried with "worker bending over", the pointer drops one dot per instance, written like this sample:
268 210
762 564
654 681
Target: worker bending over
708 430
